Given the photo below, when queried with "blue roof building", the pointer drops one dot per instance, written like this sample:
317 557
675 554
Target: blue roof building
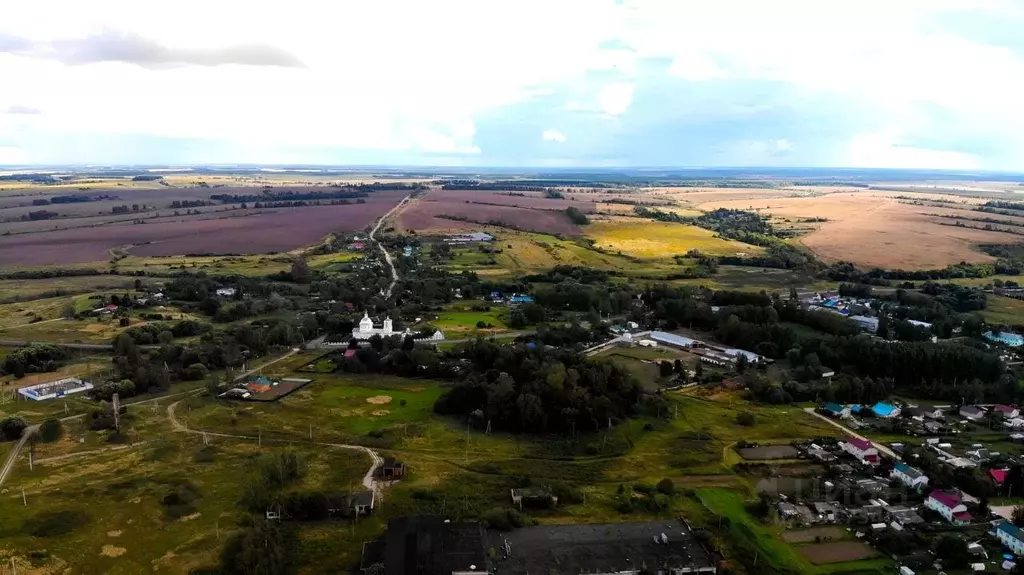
1010 535
520 298
834 408
885 410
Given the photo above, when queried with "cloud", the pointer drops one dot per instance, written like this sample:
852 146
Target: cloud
552 135
615 99
22 109
132 48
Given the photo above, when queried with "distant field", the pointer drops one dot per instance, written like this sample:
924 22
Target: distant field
233 232
459 320
875 230
650 239
527 213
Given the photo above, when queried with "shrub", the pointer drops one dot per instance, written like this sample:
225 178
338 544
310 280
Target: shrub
54 523
746 419
205 454
51 430
504 519
666 486
12 427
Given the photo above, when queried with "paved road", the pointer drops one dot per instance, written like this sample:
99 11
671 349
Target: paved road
387 256
881 448
13 456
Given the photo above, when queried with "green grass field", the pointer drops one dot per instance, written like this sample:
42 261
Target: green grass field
459 319
1004 310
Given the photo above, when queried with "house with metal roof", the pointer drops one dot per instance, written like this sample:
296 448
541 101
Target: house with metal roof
972 412
836 410
949 505
862 449
1011 536
909 476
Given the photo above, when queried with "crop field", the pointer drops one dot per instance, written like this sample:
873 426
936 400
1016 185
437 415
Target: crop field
649 239
283 230
423 215
838 552
875 230
766 452
529 200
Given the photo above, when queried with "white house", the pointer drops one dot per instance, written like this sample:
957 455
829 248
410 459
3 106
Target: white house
909 476
366 330
949 505
862 449
1010 535
226 292
972 412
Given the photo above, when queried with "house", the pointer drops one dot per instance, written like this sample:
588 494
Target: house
870 485
901 518
949 505
972 412
885 410
836 410
998 475
820 454
534 497
909 476
1007 411
518 299
862 449
979 455
226 292
787 511
932 412
392 468
356 246
349 353
360 503
933 427
1015 423
827 512
1011 536
866 323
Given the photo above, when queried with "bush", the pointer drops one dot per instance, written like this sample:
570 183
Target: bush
54 523
12 427
481 325
205 454
566 494
51 430
746 419
179 501
666 486
504 519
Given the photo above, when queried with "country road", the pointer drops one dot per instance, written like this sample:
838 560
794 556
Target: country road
387 256
12 457
881 448
368 480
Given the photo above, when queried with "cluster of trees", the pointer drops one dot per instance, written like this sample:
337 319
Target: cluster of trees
741 225
533 389
576 216
38 215
38 358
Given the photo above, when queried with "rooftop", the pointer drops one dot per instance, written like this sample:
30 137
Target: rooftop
671 338
861 444
427 545
883 409
602 548
946 498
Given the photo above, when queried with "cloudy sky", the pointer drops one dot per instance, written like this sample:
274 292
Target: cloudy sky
871 83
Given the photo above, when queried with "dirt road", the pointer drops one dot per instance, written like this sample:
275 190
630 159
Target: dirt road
387 256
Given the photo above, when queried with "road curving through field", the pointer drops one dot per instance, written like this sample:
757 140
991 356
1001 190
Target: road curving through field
387 256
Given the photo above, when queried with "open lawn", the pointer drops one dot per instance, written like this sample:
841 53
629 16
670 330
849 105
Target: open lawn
459 319
129 526
659 240
1004 310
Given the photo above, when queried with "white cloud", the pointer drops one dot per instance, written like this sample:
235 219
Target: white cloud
553 135
615 99
882 150
259 75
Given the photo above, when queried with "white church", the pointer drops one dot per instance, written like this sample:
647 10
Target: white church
366 330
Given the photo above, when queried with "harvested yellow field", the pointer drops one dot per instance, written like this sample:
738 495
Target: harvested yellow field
650 239
871 229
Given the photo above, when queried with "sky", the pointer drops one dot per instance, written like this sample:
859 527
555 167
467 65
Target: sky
534 83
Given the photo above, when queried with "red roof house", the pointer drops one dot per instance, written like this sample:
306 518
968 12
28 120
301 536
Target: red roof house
949 505
998 475
862 449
